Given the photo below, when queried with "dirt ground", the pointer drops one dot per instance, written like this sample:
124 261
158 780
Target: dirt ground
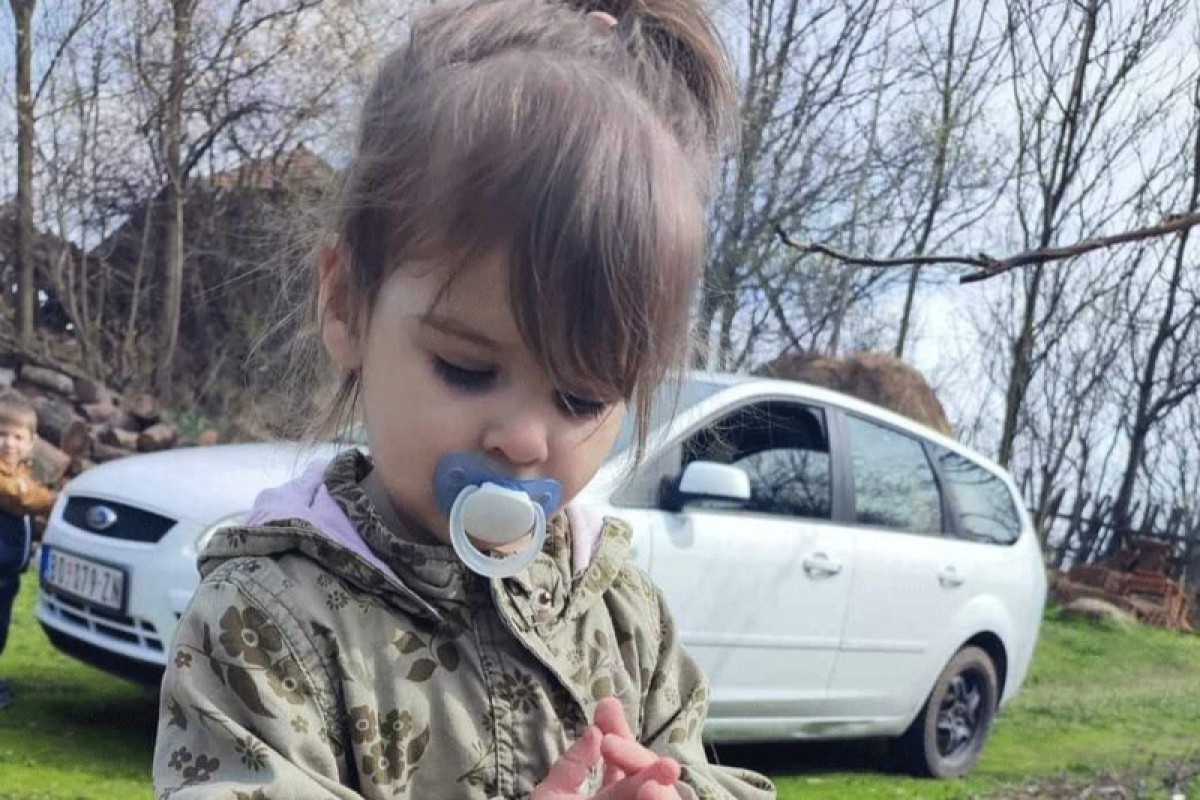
1171 782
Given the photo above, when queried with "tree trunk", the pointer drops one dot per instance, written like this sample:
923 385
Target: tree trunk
26 284
945 122
173 230
1018 376
1066 153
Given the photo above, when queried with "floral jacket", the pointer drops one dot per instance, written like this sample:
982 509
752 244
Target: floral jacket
324 656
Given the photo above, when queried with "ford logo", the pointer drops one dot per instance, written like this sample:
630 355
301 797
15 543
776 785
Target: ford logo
100 518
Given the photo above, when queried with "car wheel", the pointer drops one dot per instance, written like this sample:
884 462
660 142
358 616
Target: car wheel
946 738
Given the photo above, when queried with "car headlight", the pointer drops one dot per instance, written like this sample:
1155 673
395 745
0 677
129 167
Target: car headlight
228 522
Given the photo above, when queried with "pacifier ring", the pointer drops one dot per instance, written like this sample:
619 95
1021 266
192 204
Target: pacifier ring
487 565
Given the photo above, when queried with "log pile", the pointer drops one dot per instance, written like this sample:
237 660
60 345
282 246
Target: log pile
1136 579
82 422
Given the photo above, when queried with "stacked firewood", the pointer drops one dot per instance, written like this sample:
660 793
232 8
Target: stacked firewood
1137 580
82 422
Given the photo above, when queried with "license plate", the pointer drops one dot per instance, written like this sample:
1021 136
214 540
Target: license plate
84 578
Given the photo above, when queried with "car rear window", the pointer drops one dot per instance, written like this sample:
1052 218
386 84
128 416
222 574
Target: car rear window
894 485
986 511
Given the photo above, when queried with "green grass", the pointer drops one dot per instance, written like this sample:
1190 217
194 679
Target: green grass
74 732
1098 699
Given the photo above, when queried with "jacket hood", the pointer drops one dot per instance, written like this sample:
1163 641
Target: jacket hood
303 516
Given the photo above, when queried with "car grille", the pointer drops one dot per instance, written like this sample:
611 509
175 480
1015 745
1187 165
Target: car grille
123 522
129 630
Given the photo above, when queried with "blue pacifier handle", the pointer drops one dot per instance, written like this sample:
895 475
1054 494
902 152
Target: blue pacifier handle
467 486
457 471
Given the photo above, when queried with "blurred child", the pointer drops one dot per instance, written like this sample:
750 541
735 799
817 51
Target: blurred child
21 498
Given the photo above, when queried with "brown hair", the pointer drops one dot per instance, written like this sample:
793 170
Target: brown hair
582 153
15 409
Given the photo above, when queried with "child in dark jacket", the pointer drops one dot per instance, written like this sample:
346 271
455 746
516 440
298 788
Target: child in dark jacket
21 498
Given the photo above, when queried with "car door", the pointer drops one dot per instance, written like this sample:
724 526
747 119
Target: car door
758 590
910 575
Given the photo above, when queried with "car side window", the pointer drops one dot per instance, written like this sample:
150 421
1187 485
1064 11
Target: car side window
784 450
894 484
986 511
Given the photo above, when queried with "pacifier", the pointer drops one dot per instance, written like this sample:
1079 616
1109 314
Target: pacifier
485 504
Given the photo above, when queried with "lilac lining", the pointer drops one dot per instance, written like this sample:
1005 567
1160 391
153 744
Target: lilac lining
306 498
586 526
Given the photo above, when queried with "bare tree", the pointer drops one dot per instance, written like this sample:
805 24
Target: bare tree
805 67
1164 368
1066 149
217 83
23 13
262 77
1069 436
1087 92
843 144
961 64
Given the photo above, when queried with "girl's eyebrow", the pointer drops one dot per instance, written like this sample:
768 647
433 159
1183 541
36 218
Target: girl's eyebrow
453 327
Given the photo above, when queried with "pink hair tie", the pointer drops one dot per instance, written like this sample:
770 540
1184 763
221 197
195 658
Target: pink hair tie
602 19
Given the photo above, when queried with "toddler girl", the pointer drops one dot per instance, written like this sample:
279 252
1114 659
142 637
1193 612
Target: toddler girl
518 244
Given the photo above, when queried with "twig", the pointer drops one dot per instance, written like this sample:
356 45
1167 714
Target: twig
989 267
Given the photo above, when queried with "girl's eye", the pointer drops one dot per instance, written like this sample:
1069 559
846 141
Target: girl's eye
581 407
470 380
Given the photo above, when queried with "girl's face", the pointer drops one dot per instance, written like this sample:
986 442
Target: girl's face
451 374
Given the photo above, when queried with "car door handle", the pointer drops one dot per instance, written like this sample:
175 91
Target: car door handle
821 565
949 578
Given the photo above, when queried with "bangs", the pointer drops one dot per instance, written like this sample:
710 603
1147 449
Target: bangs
587 197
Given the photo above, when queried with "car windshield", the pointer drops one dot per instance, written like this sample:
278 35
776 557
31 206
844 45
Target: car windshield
666 407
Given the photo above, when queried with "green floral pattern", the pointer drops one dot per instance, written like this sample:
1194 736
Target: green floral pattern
302 670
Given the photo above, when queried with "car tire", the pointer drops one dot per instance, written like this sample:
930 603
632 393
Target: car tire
947 737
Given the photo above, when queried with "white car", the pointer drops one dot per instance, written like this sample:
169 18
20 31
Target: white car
837 570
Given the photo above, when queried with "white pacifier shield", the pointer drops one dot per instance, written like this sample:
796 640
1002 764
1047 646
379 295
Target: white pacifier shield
497 515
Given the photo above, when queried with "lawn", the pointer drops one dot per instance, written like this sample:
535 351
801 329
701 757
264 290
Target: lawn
1098 699
74 732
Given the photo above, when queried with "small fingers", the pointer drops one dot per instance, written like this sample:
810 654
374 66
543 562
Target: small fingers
656 782
612 774
572 768
626 755
665 771
610 718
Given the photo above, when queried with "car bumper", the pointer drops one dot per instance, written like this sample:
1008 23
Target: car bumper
118 664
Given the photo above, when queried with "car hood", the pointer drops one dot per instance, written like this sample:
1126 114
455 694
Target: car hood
199 484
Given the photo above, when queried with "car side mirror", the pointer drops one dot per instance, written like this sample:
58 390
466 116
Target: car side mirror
706 480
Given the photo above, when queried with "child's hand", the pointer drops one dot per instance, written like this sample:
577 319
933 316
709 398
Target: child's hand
629 757
610 719
623 753
571 770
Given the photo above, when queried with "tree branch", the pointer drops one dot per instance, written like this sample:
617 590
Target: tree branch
989 267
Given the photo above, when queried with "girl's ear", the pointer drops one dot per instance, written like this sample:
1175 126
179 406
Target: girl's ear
333 304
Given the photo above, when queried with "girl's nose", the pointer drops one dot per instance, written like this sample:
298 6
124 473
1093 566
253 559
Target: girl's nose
520 437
